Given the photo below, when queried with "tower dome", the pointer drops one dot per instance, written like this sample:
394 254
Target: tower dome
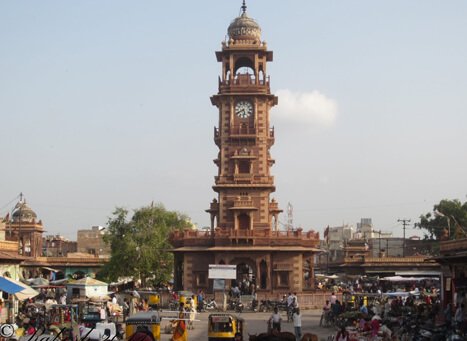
23 212
244 28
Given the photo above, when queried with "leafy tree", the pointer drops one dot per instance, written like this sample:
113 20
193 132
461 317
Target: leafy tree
448 220
140 246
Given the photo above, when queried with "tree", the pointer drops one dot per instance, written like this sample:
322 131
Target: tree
448 220
139 246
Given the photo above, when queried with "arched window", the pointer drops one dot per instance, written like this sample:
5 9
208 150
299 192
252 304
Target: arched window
243 64
244 72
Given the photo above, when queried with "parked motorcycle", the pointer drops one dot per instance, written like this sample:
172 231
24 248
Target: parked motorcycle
266 306
211 304
235 305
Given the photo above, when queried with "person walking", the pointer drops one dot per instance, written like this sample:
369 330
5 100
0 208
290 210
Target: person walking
325 314
297 323
276 320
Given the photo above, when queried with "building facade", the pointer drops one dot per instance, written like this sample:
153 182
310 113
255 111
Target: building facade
91 241
244 227
58 246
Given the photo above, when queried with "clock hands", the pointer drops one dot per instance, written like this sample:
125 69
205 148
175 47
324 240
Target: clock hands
243 109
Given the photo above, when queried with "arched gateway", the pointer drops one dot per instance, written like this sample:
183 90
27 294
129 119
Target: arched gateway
244 218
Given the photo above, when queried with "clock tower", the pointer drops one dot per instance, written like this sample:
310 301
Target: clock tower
244 135
244 229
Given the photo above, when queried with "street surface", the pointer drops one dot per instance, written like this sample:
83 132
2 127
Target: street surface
257 323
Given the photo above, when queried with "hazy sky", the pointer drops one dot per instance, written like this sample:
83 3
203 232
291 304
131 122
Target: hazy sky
106 103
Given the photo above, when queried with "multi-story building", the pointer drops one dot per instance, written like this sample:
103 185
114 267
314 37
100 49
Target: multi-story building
58 246
92 242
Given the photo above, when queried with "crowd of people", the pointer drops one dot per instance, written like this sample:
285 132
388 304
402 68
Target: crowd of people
388 316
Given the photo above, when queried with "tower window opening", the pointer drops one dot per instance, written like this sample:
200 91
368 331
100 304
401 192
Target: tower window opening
261 77
244 65
244 167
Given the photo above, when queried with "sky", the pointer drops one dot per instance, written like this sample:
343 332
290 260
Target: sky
105 104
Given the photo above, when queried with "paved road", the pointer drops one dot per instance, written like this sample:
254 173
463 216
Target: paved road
256 323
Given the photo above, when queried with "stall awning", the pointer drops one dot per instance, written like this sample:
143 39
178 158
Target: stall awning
9 286
20 290
50 269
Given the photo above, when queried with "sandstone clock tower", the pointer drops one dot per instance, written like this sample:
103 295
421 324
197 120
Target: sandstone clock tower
244 217
244 136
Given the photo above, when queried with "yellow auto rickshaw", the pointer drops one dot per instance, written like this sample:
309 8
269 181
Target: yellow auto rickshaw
186 298
353 300
153 298
224 327
147 322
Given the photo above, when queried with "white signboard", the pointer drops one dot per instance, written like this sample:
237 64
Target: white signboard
222 271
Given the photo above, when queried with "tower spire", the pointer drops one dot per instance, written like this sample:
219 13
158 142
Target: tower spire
244 7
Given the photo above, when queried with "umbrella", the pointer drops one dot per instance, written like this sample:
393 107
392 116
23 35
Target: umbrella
20 290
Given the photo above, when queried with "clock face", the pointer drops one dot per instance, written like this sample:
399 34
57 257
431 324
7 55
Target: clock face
243 109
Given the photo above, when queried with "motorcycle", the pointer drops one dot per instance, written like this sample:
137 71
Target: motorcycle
266 306
211 305
235 305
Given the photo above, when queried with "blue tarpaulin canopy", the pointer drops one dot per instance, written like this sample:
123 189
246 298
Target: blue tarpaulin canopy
9 286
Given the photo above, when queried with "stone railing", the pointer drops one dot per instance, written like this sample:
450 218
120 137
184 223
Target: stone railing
257 237
413 259
315 299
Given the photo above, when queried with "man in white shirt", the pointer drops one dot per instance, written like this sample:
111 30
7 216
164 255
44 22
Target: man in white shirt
289 299
297 323
333 298
276 319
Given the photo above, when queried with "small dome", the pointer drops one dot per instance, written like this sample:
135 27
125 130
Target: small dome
244 28
23 213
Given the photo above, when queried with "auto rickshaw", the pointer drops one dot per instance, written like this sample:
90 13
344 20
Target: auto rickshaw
224 327
153 298
185 297
353 300
147 322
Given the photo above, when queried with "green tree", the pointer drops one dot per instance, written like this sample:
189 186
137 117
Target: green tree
139 246
448 220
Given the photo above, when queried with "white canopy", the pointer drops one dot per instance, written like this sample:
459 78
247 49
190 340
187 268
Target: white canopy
406 279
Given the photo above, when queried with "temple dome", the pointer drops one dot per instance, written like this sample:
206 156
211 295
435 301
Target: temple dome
23 213
244 28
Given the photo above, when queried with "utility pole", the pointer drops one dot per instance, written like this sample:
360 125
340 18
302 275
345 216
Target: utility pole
379 232
404 222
